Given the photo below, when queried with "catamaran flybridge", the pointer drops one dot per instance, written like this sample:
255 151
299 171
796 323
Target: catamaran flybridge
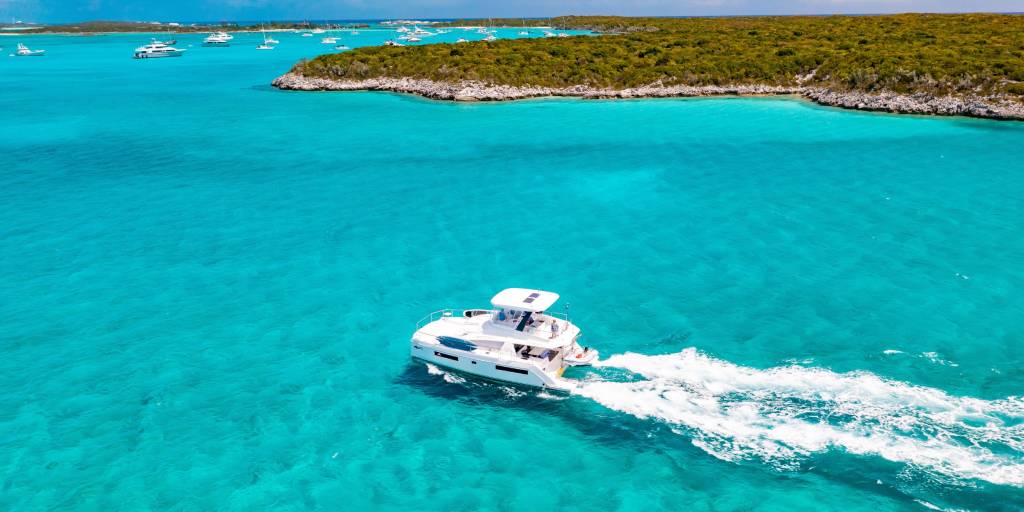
517 341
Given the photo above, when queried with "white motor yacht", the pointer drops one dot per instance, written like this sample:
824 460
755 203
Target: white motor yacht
516 341
156 50
224 35
390 42
342 47
217 39
24 51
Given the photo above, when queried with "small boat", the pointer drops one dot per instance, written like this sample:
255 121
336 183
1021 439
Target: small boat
462 40
390 42
402 29
523 33
410 38
563 34
217 39
342 47
267 41
329 40
548 33
265 46
24 51
156 50
354 32
307 34
318 31
515 341
490 37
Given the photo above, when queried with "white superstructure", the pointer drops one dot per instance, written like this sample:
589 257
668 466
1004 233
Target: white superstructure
516 341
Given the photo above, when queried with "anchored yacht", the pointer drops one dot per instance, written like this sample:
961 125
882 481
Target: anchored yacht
218 39
516 341
156 50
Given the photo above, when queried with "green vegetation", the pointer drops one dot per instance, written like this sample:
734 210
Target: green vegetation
609 24
942 54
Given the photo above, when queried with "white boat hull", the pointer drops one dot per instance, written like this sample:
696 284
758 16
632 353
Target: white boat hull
157 55
486 366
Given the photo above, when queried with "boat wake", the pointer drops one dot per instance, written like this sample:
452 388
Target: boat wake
783 415
448 377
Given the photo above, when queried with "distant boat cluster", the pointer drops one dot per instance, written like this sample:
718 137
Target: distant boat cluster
410 32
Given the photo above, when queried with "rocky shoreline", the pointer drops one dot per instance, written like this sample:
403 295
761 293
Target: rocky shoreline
988 107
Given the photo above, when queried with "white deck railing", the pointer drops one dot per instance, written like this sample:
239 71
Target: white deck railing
441 313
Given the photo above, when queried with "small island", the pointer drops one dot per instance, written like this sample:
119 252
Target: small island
941 64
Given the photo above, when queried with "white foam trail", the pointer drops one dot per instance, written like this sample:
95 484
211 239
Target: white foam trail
782 414
448 377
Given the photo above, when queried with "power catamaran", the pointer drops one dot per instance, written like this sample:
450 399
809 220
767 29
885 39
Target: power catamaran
516 341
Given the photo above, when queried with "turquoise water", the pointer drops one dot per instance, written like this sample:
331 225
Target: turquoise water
209 286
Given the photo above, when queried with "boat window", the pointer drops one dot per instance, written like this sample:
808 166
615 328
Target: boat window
524 321
446 356
509 369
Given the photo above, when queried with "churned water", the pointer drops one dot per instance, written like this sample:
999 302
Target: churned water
208 288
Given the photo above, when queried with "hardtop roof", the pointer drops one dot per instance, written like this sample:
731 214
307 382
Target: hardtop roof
524 299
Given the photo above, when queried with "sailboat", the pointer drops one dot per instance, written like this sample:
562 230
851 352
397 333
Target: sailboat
268 43
269 40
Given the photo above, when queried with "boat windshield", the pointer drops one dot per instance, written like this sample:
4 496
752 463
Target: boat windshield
530 322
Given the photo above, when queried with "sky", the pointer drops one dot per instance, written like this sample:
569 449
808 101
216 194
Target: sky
253 10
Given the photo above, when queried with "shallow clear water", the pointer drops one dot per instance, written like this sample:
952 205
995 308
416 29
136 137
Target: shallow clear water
209 286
